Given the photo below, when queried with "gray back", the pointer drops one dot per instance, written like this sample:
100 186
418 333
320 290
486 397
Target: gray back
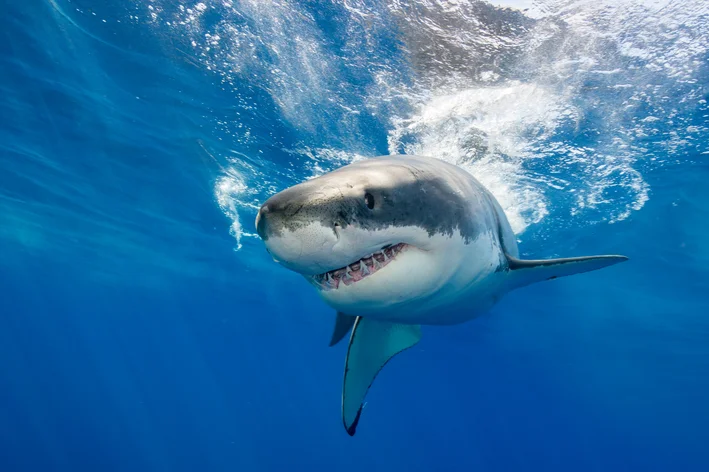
407 191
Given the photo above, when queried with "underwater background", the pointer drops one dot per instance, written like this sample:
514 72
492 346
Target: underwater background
143 326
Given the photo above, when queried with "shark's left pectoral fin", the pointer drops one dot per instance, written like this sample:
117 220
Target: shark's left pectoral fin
372 344
343 325
525 272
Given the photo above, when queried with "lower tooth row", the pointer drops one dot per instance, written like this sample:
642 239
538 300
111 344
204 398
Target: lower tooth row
364 268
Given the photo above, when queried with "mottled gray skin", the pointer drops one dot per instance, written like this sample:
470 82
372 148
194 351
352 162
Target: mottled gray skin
418 196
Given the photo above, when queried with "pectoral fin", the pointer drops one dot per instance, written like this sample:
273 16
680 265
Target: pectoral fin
343 325
525 272
372 344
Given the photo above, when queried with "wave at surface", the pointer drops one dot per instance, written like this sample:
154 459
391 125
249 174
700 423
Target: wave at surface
554 108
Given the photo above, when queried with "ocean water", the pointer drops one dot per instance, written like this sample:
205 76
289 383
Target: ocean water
143 326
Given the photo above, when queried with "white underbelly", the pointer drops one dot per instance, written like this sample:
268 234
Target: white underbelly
449 309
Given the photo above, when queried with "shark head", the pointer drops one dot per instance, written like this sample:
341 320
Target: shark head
372 236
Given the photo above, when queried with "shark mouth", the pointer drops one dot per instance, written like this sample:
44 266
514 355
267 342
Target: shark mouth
358 270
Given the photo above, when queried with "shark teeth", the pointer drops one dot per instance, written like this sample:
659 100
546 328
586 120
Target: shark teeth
358 270
363 268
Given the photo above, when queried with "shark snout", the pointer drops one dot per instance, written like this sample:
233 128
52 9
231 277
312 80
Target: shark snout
294 234
298 207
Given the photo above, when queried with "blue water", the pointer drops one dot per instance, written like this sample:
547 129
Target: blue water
143 326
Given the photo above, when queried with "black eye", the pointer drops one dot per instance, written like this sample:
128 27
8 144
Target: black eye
369 200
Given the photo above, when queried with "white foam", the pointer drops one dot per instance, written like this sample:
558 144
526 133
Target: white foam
228 189
489 131
233 195
514 129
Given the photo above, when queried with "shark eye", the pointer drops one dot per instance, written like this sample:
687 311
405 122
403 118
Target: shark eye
369 200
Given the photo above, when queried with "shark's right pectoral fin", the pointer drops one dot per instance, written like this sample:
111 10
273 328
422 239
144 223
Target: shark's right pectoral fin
372 344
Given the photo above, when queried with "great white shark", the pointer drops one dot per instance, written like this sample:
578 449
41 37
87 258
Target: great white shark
396 242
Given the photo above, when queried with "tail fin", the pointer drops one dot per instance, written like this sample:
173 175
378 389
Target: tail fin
528 272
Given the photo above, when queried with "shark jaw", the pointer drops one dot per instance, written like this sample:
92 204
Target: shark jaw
359 269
